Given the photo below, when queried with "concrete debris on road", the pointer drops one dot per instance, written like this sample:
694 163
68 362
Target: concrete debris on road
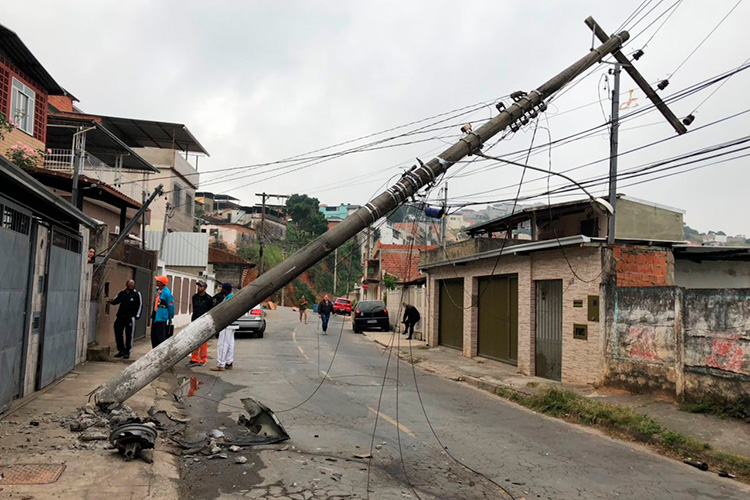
240 460
93 435
234 448
216 434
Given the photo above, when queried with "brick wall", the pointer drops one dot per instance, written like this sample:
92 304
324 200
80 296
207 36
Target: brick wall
582 359
639 266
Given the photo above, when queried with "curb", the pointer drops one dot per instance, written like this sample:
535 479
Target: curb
456 376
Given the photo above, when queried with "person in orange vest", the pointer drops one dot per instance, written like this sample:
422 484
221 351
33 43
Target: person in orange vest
163 311
202 303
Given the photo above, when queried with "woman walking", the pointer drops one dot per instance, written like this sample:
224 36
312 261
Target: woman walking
303 309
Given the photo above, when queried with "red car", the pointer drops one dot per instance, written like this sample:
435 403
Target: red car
342 306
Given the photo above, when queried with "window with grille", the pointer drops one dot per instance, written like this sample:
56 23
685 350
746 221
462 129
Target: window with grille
177 196
14 220
67 242
22 106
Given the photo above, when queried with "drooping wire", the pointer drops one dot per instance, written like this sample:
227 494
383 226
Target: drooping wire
705 39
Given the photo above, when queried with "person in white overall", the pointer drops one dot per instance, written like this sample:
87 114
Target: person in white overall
225 348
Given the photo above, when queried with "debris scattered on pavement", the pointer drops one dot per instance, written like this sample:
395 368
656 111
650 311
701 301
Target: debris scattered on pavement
363 455
93 435
697 464
131 438
222 456
240 460
263 424
723 473
216 434
234 448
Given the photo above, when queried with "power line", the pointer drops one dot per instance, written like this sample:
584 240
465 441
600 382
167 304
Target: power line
704 40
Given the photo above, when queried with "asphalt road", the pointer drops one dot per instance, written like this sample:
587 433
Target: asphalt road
530 455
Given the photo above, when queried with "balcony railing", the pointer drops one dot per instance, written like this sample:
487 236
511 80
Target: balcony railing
62 160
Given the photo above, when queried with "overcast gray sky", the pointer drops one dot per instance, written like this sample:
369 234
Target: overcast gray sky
261 81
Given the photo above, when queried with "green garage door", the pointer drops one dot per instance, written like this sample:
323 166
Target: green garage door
451 322
498 318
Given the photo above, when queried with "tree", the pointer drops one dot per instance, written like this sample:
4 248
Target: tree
307 221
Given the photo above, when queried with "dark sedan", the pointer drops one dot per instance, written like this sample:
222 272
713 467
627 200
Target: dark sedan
369 314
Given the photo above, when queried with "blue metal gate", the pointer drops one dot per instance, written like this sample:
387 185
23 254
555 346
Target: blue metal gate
61 314
15 248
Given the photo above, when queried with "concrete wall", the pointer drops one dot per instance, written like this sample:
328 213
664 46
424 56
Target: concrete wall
415 295
692 344
716 325
711 274
582 359
642 346
37 306
645 222
175 171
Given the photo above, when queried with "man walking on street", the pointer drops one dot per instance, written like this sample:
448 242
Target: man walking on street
411 317
202 303
130 303
325 309
225 347
163 311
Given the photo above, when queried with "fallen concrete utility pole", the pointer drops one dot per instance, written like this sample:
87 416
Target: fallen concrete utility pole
146 369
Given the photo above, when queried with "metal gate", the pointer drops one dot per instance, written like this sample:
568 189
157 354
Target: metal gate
143 284
61 314
549 329
451 322
498 318
15 236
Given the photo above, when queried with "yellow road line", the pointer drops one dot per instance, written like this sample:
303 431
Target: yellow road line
391 421
302 352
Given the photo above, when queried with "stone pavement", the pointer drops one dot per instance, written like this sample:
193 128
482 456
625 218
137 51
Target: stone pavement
724 434
93 470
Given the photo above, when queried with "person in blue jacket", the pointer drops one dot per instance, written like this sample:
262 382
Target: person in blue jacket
163 311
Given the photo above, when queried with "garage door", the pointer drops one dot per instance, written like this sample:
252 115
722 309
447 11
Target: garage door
498 318
451 323
61 314
15 230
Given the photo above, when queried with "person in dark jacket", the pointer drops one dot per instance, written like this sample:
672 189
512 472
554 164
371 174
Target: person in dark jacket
325 309
411 317
202 303
131 305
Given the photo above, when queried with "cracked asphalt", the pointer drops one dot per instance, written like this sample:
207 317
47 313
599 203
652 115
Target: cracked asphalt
529 455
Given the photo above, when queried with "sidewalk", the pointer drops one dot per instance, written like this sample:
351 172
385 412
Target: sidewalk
92 471
724 434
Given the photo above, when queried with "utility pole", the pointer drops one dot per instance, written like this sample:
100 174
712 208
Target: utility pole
261 235
164 230
445 214
143 222
144 370
335 269
126 230
613 143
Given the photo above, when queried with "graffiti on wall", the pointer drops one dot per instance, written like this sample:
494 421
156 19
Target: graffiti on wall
726 354
641 342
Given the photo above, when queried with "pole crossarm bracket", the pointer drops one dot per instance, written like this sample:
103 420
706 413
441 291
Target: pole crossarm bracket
638 79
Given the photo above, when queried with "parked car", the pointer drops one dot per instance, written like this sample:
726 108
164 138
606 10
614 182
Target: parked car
252 322
369 314
342 306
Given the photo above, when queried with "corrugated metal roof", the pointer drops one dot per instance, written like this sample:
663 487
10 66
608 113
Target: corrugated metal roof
180 248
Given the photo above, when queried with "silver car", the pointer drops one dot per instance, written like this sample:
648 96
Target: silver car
252 322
